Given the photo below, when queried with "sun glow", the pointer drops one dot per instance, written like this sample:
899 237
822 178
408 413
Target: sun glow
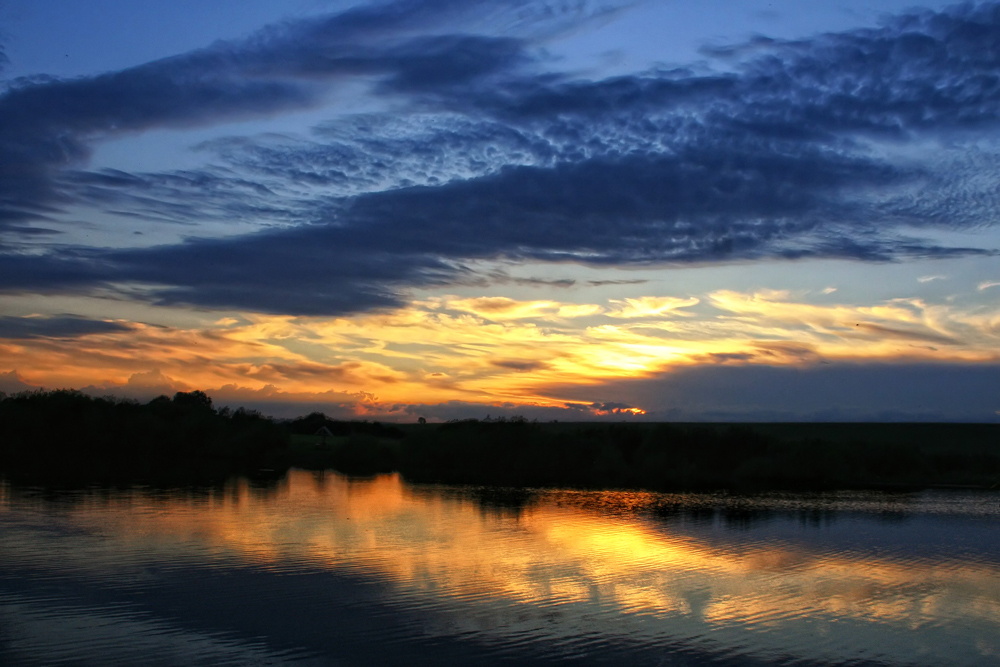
497 349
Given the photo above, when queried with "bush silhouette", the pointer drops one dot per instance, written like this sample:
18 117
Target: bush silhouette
68 435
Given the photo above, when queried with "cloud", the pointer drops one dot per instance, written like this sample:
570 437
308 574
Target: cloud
503 278
501 308
780 351
486 351
355 407
60 326
602 283
570 311
154 379
373 246
712 392
652 306
11 382
788 154
346 373
893 332
504 308
816 392
987 284
148 385
616 409
731 391
143 386
519 365
919 71
725 357
898 319
301 271
48 123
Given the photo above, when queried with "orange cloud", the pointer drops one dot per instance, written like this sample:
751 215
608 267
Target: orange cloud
497 349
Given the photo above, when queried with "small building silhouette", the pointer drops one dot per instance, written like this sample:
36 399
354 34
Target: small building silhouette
324 431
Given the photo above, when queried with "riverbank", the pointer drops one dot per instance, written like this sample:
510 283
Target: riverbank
664 456
67 437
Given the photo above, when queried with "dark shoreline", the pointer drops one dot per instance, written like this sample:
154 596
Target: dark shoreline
674 456
67 438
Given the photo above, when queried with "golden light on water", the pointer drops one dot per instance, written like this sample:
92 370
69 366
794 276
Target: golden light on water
554 552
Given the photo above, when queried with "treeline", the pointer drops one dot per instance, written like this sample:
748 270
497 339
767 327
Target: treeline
312 423
667 456
69 436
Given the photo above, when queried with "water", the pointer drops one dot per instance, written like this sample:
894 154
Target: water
323 570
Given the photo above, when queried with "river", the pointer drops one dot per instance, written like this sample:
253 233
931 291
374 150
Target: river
321 569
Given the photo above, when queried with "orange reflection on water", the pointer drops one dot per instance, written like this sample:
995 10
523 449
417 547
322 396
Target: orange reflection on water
550 553
435 543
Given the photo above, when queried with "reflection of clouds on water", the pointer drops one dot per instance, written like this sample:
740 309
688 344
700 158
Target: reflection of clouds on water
566 564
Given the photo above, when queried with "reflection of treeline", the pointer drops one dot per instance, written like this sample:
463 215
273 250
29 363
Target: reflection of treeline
69 436
666 456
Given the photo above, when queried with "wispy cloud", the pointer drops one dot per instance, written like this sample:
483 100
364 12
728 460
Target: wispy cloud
500 308
504 159
652 306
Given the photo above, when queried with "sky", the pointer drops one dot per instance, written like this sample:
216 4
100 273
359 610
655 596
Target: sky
560 209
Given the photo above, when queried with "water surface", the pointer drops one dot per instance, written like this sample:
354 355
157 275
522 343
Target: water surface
320 569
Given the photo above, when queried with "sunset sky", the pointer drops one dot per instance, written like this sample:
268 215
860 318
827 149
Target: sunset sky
563 209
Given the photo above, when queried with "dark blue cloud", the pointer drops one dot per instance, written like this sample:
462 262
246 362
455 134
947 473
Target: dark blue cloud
810 392
405 46
60 326
372 153
499 159
180 197
311 270
47 123
923 71
369 249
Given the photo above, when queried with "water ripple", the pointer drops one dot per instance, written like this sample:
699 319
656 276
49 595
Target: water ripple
322 568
